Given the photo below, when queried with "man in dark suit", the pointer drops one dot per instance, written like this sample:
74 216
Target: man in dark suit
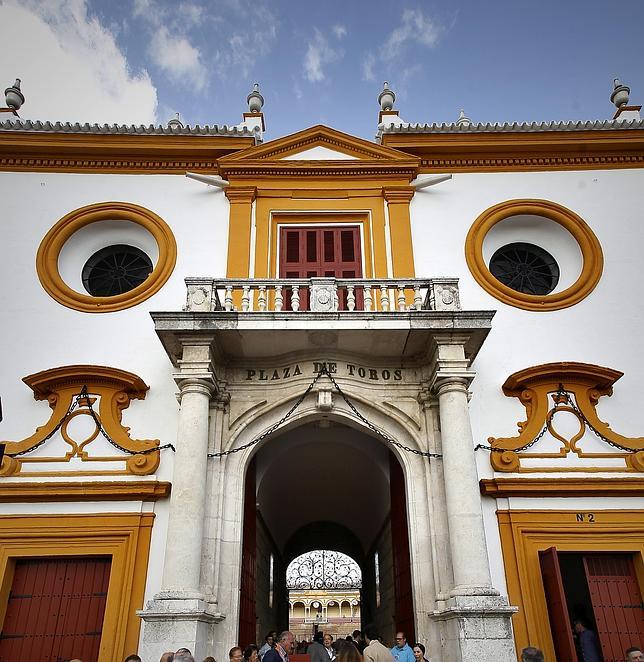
283 648
316 650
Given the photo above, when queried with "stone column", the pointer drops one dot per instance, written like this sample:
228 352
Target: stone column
188 499
180 615
470 562
475 620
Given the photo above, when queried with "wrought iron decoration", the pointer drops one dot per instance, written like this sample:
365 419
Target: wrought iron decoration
322 570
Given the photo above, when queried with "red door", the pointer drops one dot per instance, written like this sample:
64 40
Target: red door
617 603
307 252
248 588
557 607
403 595
55 610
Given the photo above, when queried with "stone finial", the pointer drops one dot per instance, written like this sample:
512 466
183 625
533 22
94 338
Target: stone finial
255 100
14 98
386 98
620 93
463 119
175 122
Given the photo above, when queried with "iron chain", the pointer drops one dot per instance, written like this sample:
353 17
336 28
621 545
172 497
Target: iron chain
324 371
564 395
83 396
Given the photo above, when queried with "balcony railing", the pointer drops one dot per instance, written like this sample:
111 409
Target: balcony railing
321 295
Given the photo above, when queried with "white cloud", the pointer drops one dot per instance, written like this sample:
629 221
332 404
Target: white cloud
415 27
177 58
367 67
70 65
318 54
339 31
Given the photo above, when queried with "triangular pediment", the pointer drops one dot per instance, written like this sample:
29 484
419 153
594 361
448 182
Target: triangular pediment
314 141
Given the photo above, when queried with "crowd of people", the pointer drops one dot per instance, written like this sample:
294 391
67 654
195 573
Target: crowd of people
365 646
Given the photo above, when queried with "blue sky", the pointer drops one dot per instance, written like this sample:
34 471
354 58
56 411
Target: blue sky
140 61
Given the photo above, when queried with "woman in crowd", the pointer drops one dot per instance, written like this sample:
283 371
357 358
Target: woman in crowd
328 645
419 653
251 653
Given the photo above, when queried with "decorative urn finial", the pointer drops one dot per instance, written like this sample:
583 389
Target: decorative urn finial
463 119
386 98
255 100
175 122
620 94
14 98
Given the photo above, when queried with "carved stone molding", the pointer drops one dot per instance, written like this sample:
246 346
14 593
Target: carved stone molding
537 389
110 391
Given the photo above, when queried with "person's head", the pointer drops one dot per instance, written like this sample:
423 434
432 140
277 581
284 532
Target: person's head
318 636
634 654
419 652
531 654
183 655
270 638
286 641
357 635
250 653
327 640
578 625
235 654
167 657
370 633
132 658
401 640
349 653
210 658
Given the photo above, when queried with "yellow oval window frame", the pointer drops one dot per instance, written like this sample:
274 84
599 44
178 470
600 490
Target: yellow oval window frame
53 242
592 256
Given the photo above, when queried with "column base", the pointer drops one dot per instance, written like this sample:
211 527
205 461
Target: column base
177 619
476 627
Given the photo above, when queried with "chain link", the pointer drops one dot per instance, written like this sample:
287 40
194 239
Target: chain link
83 398
323 372
561 395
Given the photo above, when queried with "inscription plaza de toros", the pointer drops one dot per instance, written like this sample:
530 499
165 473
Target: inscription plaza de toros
334 368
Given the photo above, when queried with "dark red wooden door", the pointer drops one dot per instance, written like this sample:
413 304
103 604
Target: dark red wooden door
307 252
617 603
248 584
56 609
403 595
560 625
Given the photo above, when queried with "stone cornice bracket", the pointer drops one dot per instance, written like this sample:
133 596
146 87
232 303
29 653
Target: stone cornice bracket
398 194
241 194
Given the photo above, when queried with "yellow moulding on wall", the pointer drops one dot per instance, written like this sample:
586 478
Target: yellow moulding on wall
123 537
526 533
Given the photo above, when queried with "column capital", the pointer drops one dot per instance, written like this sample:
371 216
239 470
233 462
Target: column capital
398 194
241 194
450 383
203 385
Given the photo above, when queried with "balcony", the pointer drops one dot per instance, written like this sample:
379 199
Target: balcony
380 319
321 295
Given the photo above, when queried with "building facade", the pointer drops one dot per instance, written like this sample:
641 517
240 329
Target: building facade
401 350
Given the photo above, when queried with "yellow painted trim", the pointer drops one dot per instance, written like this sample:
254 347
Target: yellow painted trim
53 242
522 151
593 260
562 487
23 151
525 533
124 490
402 247
60 386
123 537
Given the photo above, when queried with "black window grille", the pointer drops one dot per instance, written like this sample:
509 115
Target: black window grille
525 268
115 269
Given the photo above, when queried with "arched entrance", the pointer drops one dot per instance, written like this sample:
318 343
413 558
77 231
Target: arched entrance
325 485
